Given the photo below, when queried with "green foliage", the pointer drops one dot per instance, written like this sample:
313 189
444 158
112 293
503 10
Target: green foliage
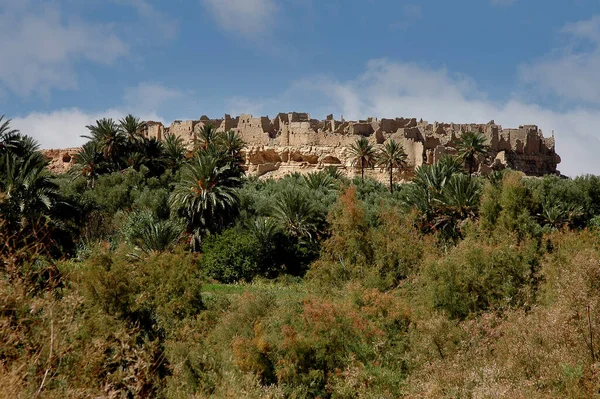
444 198
319 180
486 276
174 152
233 256
87 163
379 256
110 141
206 195
296 214
145 231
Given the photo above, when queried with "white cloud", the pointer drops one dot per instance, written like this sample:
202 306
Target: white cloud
39 46
63 128
246 17
571 72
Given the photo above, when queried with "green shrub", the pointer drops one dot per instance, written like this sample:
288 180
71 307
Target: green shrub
232 256
477 276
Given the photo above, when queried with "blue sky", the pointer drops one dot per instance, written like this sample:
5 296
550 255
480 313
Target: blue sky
66 63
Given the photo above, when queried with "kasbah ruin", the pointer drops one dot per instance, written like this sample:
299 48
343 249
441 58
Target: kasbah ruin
294 142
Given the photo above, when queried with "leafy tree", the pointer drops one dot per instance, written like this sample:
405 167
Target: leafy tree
232 256
206 195
391 156
556 214
469 147
362 153
13 142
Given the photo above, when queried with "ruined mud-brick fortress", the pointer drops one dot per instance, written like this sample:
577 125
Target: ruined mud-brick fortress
294 142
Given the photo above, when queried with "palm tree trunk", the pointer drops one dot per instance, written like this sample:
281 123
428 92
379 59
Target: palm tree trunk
362 169
470 165
391 181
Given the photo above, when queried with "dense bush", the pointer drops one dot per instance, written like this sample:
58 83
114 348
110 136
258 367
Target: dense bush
477 276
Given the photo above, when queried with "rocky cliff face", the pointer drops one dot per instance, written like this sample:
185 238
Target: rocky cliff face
294 142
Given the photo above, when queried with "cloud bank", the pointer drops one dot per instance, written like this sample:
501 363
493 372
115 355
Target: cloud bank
39 46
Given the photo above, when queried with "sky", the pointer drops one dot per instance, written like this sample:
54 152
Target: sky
67 63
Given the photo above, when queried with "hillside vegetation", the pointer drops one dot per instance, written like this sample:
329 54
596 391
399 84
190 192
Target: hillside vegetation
156 271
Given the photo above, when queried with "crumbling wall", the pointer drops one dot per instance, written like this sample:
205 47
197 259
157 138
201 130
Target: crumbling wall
294 142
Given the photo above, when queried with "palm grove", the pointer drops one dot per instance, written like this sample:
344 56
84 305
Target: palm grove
158 269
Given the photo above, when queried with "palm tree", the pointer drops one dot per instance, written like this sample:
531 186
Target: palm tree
232 144
362 152
296 214
87 163
150 153
7 135
391 156
131 126
469 147
174 151
206 195
28 189
318 180
13 142
109 138
427 192
205 137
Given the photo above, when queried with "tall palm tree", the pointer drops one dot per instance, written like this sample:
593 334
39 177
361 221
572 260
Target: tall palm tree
469 147
206 195
87 163
131 126
110 139
391 156
363 153
174 151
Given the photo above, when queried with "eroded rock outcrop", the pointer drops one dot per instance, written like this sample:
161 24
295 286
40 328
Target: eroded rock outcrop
294 142
61 160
